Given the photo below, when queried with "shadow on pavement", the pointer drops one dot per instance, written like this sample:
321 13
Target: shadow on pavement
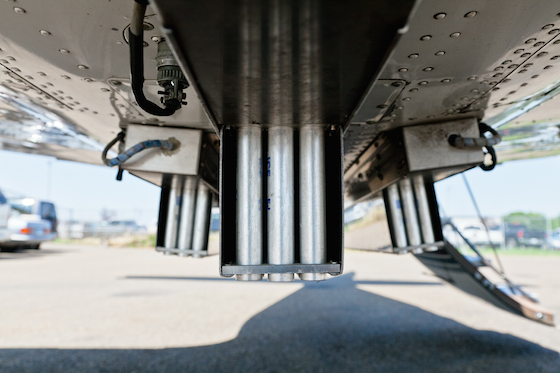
326 327
16 253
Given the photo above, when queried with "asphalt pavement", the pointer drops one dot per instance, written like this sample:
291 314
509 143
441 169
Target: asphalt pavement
93 309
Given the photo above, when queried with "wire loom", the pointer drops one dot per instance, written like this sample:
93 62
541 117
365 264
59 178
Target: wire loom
170 144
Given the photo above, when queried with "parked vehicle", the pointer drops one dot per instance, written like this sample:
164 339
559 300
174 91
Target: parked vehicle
519 235
31 223
554 239
4 216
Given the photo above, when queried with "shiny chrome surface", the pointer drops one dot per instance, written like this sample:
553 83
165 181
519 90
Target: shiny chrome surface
409 207
249 200
395 207
280 199
312 204
202 217
173 211
186 220
423 209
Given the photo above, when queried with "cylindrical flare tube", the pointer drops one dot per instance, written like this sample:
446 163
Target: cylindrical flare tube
249 200
280 199
312 199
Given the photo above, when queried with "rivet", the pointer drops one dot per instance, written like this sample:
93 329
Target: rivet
423 82
555 31
542 54
45 32
512 92
396 84
145 44
506 80
528 65
517 51
503 99
413 55
470 14
496 88
506 62
534 76
430 116
94 112
465 98
28 77
513 66
529 41
554 58
19 10
414 90
445 80
524 55
498 68
493 83
119 42
43 86
450 111
455 35
65 77
524 84
497 75
89 80
550 25
381 106
539 44
156 39
76 103
522 71
40 73
471 77
403 69
426 37
64 51
4 61
69 98
406 99
83 67
440 53
557 42
428 68
474 90
105 90
440 16
15 69
115 82
147 26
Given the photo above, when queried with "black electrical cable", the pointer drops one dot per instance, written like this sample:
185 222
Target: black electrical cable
136 48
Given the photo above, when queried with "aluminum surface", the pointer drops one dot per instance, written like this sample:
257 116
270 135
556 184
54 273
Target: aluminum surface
281 269
173 212
423 209
397 215
202 217
280 199
409 207
186 221
249 200
312 204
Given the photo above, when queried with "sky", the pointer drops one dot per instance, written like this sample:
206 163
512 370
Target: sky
78 190
83 191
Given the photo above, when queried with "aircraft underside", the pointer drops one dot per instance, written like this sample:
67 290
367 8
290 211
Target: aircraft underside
286 112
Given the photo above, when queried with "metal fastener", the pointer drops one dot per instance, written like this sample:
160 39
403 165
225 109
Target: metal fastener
440 53
455 35
470 14
426 37
19 10
45 32
440 16
64 51
413 55
83 67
